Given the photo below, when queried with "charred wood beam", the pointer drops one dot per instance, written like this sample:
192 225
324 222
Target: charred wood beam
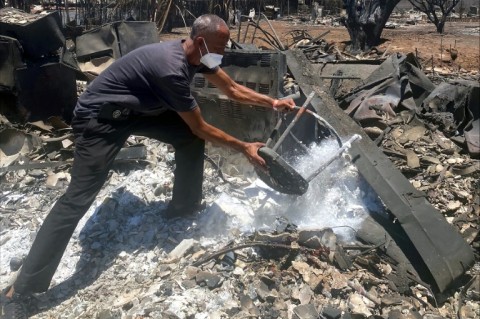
319 251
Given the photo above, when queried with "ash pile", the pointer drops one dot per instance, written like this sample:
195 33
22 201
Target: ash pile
239 258
252 253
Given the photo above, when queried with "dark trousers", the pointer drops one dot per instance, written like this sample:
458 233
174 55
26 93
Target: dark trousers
96 145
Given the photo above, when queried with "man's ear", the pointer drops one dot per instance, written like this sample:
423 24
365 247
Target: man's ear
199 41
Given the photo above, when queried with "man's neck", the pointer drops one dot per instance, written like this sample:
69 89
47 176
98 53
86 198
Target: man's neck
189 49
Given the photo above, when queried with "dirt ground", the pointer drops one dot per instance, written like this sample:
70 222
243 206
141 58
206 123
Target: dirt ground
464 36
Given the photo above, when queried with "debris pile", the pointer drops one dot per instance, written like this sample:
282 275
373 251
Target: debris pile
252 253
39 72
39 78
429 132
399 92
237 259
318 50
13 16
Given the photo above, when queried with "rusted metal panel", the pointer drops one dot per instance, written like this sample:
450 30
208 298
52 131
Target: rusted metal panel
115 39
438 252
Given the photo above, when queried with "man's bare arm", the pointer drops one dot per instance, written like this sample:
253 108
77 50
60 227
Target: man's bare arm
245 95
212 134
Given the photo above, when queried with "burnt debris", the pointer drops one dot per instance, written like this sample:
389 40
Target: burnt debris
250 253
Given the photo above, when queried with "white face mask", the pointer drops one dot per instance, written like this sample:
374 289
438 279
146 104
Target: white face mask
210 60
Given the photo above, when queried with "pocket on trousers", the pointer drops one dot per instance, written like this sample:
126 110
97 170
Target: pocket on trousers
90 127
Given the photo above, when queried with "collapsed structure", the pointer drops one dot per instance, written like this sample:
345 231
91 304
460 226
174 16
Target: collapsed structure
40 83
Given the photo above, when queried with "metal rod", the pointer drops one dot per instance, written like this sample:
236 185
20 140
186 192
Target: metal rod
282 47
320 36
337 154
297 116
441 49
324 122
293 96
246 31
274 132
239 27
298 141
339 77
256 26
309 48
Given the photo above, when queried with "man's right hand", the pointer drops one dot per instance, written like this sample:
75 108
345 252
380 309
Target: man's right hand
251 152
284 105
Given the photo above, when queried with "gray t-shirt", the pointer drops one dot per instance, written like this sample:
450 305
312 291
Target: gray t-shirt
148 80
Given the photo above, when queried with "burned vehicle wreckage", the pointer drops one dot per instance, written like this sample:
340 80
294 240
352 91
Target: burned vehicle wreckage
258 253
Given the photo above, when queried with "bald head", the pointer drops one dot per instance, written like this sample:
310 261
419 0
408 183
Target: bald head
207 25
210 34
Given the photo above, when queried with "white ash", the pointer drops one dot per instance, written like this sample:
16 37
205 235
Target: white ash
117 263
134 199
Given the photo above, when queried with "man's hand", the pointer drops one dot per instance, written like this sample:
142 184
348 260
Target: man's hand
285 105
251 153
245 95
210 133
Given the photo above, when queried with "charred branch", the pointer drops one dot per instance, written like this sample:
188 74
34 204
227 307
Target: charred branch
437 11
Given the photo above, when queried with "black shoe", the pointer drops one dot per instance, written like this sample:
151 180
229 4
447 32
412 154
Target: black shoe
173 211
15 307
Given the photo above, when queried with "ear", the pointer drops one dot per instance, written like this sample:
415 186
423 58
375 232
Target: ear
199 41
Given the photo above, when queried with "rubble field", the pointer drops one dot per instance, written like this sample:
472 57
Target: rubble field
252 253
406 38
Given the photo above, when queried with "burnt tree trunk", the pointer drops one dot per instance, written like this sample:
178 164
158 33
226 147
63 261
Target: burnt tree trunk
365 21
441 25
437 11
